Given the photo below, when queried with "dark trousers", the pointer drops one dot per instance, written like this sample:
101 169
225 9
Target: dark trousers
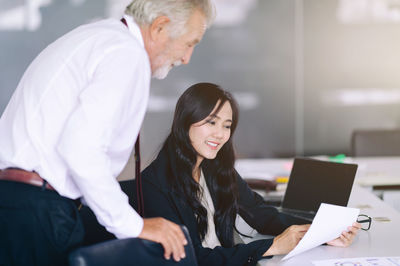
40 227
37 227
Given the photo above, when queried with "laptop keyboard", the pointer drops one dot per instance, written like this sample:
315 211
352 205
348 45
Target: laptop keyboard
306 215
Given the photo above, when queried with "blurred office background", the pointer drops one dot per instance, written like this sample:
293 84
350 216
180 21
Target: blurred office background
306 73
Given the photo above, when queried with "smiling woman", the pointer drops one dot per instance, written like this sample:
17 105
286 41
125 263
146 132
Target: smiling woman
193 181
209 135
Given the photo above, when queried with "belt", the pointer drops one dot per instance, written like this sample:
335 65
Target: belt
30 178
22 176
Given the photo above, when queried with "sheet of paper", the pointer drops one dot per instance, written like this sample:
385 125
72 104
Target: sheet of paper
328 224
368 261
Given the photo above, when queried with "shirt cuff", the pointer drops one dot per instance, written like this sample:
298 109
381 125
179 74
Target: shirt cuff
132 227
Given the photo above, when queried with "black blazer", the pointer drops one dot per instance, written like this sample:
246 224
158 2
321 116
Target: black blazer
160 200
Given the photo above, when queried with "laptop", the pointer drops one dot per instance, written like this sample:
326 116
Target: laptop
313 182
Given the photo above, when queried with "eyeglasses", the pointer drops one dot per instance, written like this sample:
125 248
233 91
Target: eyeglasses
365 221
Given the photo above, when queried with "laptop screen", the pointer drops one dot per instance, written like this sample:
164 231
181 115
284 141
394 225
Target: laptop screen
313 181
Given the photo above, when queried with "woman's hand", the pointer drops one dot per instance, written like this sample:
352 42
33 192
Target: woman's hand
346 238
286 241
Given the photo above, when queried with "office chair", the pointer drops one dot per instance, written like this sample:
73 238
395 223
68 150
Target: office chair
119 252
376 142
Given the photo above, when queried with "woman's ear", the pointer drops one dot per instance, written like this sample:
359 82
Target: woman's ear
159 29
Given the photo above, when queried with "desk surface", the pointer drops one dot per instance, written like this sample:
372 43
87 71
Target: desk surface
377 171
372 171
381 240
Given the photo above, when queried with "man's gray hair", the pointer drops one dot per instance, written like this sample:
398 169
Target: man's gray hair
178 11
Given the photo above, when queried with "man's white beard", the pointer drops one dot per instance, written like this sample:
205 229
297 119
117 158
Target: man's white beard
162 72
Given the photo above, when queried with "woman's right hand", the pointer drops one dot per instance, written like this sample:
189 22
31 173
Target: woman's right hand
286 241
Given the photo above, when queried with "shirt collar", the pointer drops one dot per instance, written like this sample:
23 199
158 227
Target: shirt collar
134 28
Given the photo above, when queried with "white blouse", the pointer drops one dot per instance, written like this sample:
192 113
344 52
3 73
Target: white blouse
210 239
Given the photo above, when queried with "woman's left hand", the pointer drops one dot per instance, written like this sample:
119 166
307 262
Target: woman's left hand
346 238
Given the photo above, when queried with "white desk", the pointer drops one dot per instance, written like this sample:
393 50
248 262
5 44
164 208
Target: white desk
381 174
377 171
372 171
383 239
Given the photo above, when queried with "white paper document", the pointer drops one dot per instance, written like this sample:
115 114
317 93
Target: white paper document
328 224
369 261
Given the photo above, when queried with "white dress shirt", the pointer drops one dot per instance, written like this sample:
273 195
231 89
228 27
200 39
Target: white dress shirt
210 240
75 116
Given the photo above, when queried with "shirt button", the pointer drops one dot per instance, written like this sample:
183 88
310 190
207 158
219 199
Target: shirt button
250 259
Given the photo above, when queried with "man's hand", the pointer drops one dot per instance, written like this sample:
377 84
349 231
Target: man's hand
168 234
286 241
346 238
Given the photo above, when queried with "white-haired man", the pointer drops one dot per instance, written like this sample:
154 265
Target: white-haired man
71 124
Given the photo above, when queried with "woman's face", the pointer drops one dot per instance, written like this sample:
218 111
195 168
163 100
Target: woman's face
210 134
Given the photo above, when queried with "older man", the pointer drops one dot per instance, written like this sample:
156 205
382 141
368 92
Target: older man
70 126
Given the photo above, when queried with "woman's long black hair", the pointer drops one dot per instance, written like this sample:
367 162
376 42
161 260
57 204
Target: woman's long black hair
195 104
